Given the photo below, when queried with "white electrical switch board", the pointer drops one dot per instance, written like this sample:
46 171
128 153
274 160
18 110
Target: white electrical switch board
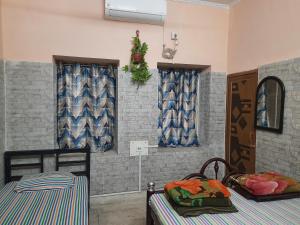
138 148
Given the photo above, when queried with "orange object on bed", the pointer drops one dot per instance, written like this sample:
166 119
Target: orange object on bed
195 186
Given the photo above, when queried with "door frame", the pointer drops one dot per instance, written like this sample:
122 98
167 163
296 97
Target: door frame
228 116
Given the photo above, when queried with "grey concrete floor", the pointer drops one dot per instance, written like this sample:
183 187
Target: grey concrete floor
125 209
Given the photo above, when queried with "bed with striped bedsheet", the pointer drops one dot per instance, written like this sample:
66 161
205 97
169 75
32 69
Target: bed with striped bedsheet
51 207
283 212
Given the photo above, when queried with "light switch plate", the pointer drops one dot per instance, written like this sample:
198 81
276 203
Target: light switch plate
174 36
138 148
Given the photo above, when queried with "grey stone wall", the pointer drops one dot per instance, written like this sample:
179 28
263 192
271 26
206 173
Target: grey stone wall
212 108
2 121
281 152
204 106
31 124
30 105
137 120
217 112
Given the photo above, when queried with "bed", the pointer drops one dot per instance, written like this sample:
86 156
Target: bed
283 212
53 206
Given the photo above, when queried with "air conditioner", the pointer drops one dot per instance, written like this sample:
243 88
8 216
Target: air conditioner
141 11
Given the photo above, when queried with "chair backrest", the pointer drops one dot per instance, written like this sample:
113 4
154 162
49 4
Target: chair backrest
229 170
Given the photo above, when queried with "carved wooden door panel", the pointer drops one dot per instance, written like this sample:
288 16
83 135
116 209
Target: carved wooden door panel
240 129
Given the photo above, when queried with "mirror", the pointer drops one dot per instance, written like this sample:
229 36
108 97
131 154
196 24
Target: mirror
270 104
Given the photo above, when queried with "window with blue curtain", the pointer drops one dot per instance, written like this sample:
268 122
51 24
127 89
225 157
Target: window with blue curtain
86 106
177 102
262 112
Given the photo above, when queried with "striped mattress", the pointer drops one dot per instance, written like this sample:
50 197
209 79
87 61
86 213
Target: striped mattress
55 207
283 212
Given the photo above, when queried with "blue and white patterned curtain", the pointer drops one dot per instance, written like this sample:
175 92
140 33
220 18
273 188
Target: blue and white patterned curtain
177 100
86 106
262 113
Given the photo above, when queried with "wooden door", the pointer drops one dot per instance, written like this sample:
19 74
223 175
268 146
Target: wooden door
240 129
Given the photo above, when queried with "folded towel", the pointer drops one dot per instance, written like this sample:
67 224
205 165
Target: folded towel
194 193
221 206
268 183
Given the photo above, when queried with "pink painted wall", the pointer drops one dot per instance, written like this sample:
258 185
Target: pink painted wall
262 32
1 44
34 30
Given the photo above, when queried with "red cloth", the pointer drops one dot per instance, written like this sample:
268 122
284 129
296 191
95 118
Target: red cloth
266 183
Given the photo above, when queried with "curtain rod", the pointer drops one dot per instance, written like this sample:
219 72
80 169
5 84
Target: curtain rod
161 65
87 65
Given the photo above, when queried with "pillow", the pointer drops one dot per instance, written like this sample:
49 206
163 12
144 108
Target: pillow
46 174
45 181
268 183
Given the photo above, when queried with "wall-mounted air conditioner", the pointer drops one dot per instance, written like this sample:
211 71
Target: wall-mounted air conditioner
141 11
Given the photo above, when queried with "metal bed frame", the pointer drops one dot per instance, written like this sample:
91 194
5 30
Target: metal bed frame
152 219
10 155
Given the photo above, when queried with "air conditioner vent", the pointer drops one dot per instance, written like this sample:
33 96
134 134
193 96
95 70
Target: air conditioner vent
141 11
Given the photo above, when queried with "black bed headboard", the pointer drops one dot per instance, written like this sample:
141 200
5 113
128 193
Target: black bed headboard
10 155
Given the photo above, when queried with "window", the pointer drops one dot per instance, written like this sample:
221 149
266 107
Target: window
86 105
177 102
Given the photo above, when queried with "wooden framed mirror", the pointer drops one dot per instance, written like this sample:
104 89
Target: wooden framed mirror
270 96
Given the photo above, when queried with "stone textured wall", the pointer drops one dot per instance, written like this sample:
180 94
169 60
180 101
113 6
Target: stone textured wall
281 152
2 121
212 108
137 120
217 116
30 105
204 106
31 124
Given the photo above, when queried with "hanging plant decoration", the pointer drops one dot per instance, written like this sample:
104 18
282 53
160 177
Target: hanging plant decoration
138 66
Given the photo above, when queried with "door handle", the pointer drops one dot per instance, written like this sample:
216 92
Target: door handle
252 140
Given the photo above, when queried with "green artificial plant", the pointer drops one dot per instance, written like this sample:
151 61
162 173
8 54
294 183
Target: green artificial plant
138 66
